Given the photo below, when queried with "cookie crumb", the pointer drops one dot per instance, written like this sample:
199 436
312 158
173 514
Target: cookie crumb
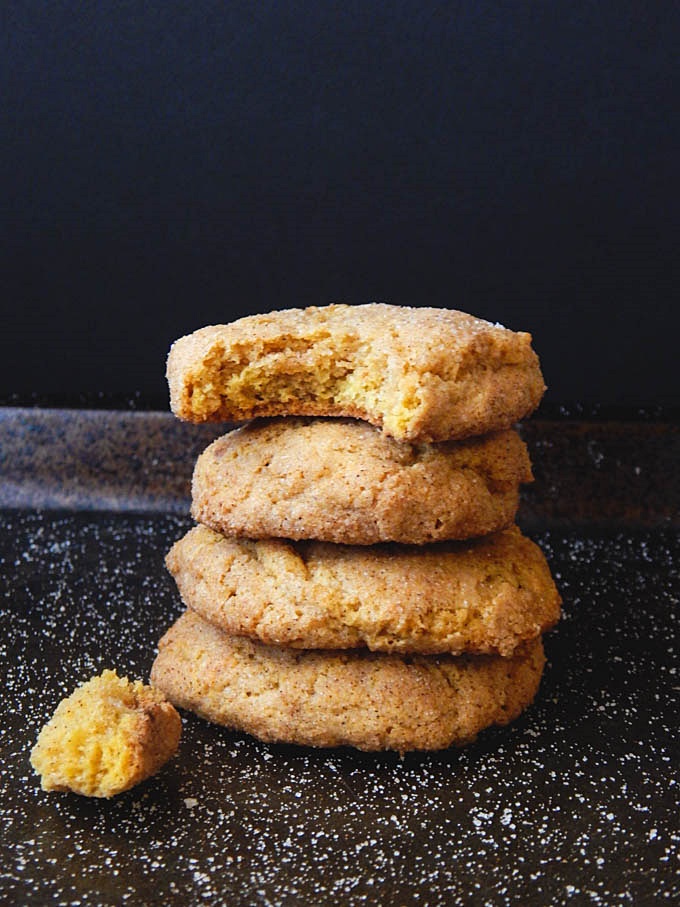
106 737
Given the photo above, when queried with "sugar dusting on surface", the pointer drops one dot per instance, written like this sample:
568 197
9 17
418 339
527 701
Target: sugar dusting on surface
578 801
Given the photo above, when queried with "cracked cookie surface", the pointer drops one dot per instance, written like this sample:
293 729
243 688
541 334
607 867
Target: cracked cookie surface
360 699
489 595
342 480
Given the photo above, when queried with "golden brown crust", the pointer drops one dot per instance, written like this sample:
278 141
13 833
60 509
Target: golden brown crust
485 596
340 480
360 699
418 373
106 737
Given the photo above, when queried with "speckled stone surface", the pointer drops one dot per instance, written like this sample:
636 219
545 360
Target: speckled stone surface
577 802
603 473
98 460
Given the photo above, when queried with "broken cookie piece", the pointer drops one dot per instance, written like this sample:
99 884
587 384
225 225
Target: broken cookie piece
106 737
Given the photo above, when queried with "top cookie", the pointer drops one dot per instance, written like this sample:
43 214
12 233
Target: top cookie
421 374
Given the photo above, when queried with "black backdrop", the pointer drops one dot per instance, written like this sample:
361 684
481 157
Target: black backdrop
166 165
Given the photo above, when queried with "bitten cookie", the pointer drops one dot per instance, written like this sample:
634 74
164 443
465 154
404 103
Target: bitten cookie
341 480
107 736
360 699
418 373
484 596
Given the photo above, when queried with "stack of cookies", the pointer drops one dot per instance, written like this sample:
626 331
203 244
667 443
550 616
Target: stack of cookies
355 576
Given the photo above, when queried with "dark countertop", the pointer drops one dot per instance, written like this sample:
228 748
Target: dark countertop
577 802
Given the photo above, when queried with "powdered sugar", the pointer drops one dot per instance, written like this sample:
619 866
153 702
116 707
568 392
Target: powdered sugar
577 800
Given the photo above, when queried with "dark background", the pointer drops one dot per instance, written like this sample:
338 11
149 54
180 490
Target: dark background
166 165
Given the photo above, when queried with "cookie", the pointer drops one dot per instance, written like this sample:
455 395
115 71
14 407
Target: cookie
106 737
359 699
485 596
342 480
421 374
